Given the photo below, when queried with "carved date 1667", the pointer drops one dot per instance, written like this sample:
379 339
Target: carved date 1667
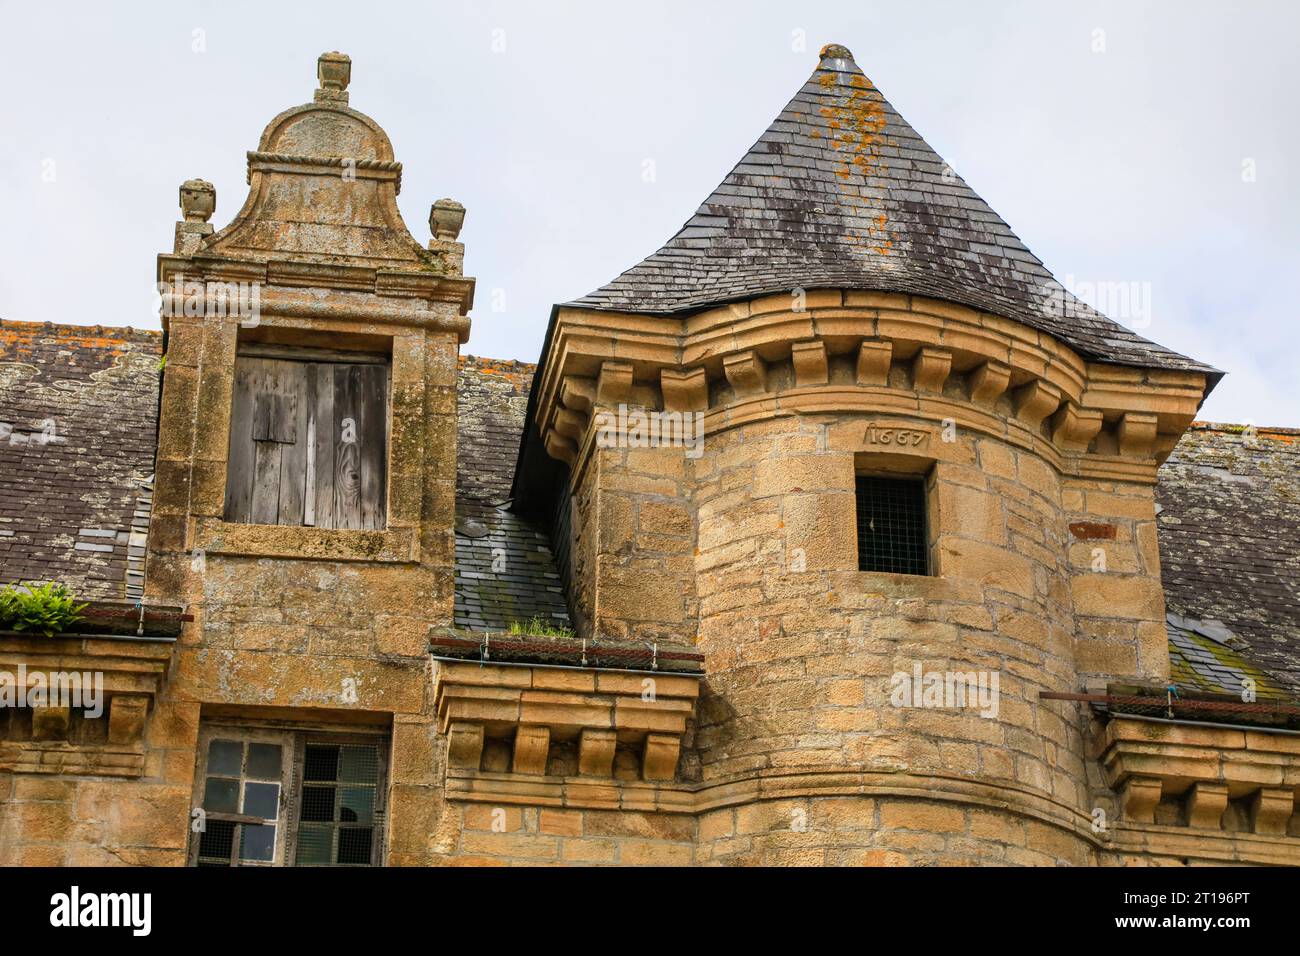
906 437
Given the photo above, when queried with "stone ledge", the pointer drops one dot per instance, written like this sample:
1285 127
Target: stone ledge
392 546
132 671
67 759
1215 847
534 706
1205 766
697 798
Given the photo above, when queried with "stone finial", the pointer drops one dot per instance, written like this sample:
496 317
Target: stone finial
334 70
445 219
198 200
834 51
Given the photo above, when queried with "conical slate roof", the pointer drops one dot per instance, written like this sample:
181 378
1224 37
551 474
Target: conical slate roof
840 192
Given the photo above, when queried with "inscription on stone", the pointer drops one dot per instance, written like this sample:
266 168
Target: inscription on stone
904 437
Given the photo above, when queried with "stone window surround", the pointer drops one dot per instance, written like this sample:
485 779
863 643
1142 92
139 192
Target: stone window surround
400 541
869 464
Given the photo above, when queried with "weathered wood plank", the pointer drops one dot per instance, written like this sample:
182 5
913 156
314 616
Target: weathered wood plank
347 452
298 353
240 455
275 405
322 378
292 381
373 432
266 483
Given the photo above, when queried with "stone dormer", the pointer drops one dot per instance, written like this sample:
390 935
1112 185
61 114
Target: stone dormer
317 269
305 502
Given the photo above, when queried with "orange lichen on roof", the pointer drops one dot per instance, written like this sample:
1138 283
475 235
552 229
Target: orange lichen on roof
94 346
519 374
19 335
1270 432
860 123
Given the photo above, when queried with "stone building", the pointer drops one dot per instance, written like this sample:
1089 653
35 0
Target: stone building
834 532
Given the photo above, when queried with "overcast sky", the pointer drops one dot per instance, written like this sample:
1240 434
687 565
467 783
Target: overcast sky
1137 143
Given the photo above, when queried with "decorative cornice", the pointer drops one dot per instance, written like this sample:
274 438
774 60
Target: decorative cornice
258 160
132 670
1147 761
531 704
867 352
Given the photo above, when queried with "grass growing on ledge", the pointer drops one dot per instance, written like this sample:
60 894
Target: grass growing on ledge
48 608
538 626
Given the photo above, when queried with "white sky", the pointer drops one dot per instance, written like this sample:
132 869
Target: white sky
1113 167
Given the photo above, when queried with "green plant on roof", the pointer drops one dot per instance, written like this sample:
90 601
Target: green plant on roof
538 626
47 608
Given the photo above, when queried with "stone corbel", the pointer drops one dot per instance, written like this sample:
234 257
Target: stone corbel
532 745
126 717
809 360
51 722
659 758
564 449
571 424
684 390
1271 809
989 382
1205 803
465 744
596 752
874 358
1035 401
578 393
1137 434
1074 428
930 369
746 372
614 387
1139 798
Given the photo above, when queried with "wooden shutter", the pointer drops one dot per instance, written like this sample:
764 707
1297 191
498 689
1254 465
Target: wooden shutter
309 443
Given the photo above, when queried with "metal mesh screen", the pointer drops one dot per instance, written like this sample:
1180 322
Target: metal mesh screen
891 525
337 818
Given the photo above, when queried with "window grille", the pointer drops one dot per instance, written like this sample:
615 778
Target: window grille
338 810
891 525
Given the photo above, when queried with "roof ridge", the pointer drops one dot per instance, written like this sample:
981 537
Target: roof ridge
71 328
1234 427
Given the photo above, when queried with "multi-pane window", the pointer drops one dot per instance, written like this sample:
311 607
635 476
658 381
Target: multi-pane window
891 525
337 810
308 440
243 782
284 798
